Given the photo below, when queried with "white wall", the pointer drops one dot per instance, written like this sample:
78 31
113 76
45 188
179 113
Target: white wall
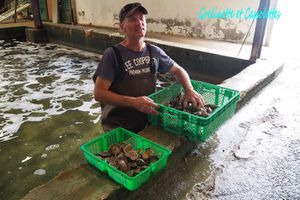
176 17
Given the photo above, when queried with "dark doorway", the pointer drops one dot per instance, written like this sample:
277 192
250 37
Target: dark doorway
44 10
65 11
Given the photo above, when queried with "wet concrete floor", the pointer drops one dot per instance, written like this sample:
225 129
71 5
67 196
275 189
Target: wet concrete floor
258 155
254 155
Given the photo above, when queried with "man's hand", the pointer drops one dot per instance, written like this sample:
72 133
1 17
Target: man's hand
193 97
190 94
145 105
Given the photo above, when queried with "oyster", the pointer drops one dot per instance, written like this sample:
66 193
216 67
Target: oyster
104 154
148 153
128 160
115 149
177 103
123 166
130 152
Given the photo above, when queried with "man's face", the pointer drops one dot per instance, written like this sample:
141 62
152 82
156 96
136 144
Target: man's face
134 26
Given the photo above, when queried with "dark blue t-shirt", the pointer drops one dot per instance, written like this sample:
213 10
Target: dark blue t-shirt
135 63
137 81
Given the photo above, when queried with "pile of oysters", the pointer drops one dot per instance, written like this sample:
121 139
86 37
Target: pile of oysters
130 161
177 103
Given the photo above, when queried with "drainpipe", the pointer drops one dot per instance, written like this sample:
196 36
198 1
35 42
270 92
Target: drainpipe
73 9
36 14
259 32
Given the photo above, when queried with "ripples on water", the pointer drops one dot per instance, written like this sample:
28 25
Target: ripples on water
41 80
37 81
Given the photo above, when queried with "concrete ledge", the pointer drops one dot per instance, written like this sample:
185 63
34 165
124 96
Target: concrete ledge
253 79
12 32
36 35
86 182
201 65
83 182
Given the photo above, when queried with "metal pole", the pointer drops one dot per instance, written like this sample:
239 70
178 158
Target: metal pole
36 14
259 32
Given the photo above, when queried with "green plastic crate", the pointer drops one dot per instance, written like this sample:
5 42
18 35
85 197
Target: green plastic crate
195 127
103 142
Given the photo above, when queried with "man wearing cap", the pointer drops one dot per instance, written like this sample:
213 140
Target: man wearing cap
126 74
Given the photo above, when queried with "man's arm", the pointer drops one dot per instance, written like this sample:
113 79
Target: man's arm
104 95
190 94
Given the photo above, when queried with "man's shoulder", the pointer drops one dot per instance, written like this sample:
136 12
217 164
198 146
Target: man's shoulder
152 45
154 48
108 51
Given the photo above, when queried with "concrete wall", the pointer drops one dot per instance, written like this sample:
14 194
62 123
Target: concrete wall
202 66
7 33
177 17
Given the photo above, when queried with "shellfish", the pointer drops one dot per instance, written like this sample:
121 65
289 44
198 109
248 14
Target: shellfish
128 160
177 103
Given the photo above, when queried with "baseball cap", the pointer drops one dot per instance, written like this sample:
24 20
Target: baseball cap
129 9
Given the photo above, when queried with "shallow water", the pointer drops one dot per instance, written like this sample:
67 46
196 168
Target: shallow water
47 112
40 81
